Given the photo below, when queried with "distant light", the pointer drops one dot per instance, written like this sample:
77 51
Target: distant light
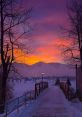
42 73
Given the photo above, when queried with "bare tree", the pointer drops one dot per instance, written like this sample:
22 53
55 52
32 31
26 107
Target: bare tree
12 18
74 31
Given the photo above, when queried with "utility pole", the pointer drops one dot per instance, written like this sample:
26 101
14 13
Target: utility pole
81 56
76 77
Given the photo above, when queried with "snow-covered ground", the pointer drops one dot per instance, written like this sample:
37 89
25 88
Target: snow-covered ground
20 88
50 103
24 86
73 84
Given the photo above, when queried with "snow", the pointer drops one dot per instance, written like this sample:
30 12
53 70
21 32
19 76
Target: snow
51 99
77 104
73 83
20 88
51 103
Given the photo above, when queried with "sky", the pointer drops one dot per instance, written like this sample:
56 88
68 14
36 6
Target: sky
46 35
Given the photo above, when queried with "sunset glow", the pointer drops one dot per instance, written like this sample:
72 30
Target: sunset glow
46 38
50 52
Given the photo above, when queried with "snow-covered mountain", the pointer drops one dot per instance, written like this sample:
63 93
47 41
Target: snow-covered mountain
49 69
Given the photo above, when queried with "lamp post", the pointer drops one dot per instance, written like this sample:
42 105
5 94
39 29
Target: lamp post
42 76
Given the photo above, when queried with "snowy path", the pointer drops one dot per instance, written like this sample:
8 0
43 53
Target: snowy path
51 103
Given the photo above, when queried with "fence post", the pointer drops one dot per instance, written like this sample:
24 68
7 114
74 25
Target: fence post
35 91
5 110
39 88
25 100
30 96
18 104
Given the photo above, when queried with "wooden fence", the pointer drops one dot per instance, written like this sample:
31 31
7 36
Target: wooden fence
39 87
16 103
67 90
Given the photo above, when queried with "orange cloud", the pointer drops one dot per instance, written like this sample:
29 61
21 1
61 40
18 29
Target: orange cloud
64 42
45 54
32 59
46 48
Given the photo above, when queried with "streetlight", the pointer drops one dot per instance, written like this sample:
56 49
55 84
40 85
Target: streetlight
42 79
42 76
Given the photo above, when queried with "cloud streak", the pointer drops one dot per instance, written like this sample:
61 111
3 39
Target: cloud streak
47 16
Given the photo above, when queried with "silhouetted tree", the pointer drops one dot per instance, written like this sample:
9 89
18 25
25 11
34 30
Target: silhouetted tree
74 32
12 17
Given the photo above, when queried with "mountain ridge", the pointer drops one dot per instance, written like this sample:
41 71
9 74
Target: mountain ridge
50 69
56 63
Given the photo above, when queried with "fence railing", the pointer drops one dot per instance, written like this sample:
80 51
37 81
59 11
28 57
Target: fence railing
68 90
15 104
39 87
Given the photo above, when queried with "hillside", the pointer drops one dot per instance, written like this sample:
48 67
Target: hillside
50 69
